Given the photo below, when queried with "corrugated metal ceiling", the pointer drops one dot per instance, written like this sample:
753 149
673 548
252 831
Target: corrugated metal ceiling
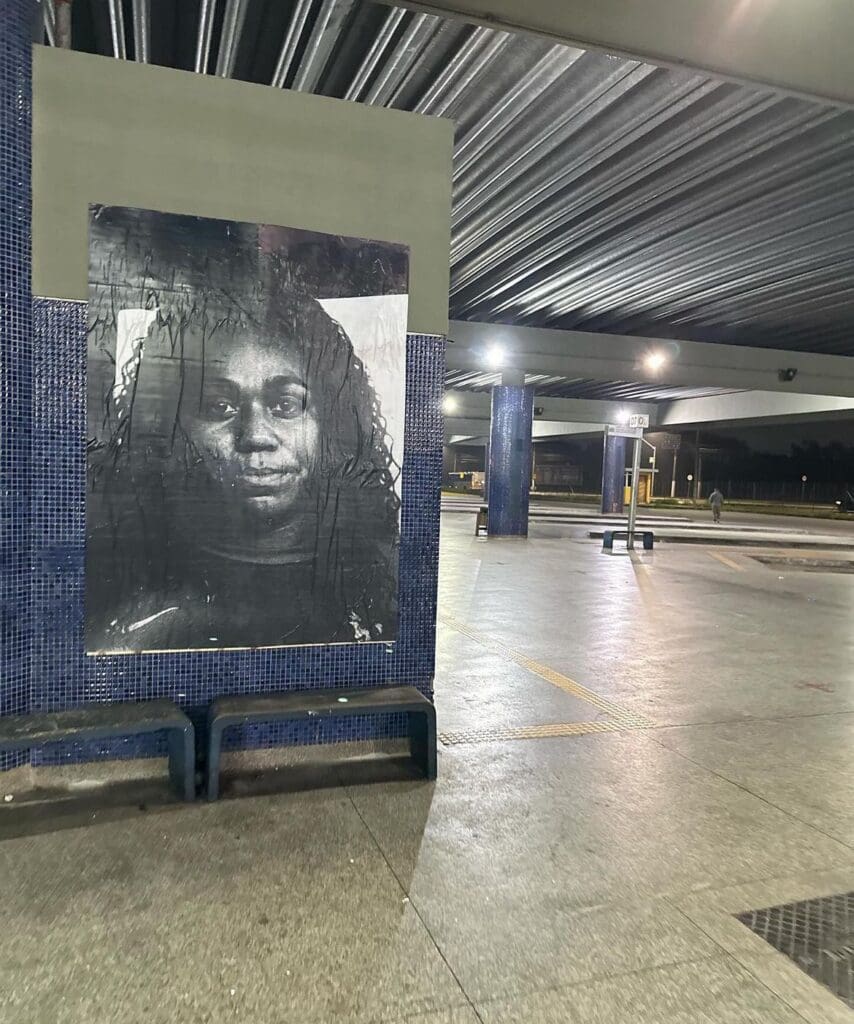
590 192
549 386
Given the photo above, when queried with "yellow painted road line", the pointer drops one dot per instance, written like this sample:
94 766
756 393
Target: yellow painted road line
726 561
628 719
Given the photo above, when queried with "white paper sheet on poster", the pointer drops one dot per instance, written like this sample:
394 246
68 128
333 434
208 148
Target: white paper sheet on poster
376 325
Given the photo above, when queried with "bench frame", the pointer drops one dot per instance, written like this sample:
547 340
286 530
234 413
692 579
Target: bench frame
311 705
608 538
109 721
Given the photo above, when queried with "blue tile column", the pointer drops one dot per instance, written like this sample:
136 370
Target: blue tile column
510 450
613 474
16 28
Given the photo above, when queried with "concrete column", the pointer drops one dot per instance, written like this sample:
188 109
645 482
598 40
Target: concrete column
509 472
613 474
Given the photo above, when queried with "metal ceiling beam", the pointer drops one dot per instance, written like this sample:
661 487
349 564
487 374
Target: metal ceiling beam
232 26
207 12
612 357
49 19
576 415
451 70
411 43
753 408
327 28
374 54
465 67
780 192
798 48
462 431
518 102
141 30
290 43
590 193
474 407
556 386
489 52
117 29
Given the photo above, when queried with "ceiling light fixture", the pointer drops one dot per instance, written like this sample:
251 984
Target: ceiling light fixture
655 361
494 357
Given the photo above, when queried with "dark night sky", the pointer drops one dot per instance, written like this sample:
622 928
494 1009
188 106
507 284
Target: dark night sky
780 438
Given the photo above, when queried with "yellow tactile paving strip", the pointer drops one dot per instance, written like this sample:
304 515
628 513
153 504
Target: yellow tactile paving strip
619 719
527 732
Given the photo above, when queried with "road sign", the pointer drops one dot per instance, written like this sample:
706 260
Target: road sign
623 431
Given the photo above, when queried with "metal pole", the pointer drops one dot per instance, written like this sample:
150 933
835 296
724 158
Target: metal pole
633 503
697 467
673 478
652 478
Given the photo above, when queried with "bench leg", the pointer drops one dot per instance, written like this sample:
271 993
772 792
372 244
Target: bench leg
182 762
422 740
215 730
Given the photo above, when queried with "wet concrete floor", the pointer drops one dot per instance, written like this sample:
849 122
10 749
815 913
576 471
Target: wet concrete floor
634 750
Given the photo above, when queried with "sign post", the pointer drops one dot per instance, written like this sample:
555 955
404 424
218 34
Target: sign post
636 424
633 502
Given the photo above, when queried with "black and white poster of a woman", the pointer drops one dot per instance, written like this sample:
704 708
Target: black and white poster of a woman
245 390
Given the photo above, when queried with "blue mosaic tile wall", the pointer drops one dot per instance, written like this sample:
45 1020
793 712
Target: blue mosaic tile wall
15 340
510 453
42 508
62 675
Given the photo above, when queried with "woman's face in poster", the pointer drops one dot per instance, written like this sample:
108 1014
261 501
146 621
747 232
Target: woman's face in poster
254 426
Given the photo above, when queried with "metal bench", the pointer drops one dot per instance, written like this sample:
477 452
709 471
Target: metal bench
608 538
106 721
310 705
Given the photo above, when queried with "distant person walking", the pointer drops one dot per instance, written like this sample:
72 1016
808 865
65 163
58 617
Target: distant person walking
716 500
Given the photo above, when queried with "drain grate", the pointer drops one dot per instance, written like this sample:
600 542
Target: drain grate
818 935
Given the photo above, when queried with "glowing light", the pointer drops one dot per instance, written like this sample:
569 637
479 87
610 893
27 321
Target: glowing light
494 356
623 416
654 361
450 404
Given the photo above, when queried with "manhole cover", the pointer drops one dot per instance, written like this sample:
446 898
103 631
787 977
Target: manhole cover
818 935
807 564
